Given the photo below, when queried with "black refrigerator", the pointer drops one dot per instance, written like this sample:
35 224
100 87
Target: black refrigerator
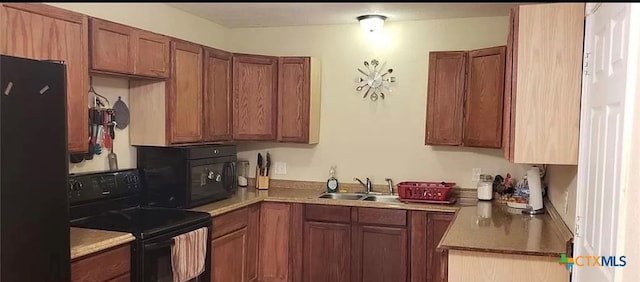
34 166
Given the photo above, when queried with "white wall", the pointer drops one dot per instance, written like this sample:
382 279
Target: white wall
112 88
562 179
384 138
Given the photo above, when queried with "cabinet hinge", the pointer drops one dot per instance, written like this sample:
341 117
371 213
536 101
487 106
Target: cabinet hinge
586 65
577 226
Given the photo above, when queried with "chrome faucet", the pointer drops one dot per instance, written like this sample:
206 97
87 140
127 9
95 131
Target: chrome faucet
367 187
390 182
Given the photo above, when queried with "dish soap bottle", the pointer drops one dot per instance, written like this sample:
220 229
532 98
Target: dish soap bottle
332 182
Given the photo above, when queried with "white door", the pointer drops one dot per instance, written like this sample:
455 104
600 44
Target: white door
601 135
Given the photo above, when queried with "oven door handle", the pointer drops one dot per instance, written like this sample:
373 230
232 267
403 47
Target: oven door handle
159 245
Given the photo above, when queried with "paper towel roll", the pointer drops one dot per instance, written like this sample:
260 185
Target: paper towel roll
535 188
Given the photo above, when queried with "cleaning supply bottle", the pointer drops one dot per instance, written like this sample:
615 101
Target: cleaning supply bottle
332 182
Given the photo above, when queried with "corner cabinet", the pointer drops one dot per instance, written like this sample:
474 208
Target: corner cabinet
543 83
464 98
255 94
298 100
43 32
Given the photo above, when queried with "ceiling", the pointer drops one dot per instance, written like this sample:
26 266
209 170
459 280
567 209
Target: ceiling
235 15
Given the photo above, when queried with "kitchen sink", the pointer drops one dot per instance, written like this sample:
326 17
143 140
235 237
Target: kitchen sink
341 196
382 198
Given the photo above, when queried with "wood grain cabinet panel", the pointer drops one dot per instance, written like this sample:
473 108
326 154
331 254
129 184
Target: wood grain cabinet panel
445 96
43 32
109 265
327 251
123 50
465 98
151 54
253 232
483 98
255 93
380 254
185 93
544 83
112 46
229 256
218 99
274 242
437 225
298 100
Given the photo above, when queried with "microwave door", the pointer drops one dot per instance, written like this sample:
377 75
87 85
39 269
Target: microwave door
230 176
207 183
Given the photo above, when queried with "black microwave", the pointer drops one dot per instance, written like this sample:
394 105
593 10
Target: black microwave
187 176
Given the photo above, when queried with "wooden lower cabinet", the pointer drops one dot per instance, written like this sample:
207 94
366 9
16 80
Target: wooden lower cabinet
318 243
274 242
327 251
229 254
113 265
234 246
437 224
380 253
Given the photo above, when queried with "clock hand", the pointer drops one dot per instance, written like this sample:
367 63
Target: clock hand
361 71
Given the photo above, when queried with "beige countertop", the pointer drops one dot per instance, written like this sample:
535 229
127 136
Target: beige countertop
247 196
87 241
505 231
497 228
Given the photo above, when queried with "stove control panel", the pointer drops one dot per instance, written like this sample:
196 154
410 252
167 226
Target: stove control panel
94 186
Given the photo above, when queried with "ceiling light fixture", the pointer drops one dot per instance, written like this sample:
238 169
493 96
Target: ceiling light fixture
371 23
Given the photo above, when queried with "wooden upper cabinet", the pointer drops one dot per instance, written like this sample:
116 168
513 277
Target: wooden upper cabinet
111 46
218 103
298 100
255 94
43 32
125 50
545 83
185 93
151 54
445 96
483 98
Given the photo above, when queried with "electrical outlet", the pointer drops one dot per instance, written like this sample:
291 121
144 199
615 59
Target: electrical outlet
475 174
281 168
566 202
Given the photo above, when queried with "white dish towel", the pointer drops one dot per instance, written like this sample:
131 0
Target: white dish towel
188 254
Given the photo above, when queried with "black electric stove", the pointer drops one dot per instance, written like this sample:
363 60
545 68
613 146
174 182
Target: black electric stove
113 201
143 222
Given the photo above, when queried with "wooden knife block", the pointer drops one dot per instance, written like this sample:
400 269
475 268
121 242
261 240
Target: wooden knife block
262 182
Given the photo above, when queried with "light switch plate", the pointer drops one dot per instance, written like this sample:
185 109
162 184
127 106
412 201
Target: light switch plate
475 174
281 168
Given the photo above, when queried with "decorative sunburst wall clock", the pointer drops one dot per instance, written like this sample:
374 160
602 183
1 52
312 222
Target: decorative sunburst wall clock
376 80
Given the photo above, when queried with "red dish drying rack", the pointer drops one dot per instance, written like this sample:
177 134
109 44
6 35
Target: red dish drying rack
425 192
